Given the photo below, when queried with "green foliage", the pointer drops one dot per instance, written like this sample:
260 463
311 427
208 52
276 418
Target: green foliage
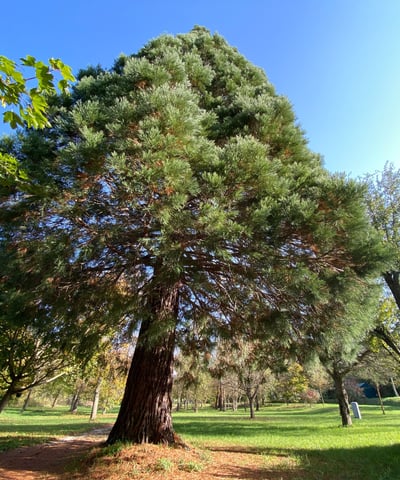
27 106
10 171
181 170
382 200
31 103
344 345
292 384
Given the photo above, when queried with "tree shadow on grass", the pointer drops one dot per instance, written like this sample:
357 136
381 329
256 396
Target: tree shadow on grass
368 463
36 434
45 459
197 428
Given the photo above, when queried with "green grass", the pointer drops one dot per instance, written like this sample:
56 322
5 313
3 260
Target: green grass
41 425
309 442
295 442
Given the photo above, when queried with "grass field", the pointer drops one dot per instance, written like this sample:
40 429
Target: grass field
40 425
301 442
310 440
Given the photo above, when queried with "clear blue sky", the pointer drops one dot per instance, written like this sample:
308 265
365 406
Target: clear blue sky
338 61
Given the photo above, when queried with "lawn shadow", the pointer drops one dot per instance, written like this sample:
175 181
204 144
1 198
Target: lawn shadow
368 463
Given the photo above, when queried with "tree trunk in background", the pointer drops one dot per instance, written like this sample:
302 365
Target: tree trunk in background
28 397
378 391
75 400
6 398
251 405
321 396
343 400
396 393
145 413
56 397
96 398
220 400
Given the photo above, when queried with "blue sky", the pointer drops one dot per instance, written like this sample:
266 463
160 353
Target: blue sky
338 61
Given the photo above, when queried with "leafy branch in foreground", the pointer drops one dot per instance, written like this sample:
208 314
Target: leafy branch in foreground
31 103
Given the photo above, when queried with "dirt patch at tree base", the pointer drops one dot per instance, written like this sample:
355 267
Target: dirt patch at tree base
83 458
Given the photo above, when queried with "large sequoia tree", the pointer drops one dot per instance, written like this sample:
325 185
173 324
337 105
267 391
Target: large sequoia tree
182 191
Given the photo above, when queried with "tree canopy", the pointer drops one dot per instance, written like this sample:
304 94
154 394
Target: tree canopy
383 201
178 194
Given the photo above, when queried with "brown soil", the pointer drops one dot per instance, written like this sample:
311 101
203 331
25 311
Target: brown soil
82 458
47 460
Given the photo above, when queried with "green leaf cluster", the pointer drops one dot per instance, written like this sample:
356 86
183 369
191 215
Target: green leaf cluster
31 103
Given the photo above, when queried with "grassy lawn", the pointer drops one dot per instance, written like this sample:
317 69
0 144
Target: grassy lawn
41 425
308 441
295 442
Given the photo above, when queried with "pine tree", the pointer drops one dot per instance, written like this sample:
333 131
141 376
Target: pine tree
176 190
354 314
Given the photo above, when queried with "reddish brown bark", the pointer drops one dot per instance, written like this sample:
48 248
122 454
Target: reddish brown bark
145 413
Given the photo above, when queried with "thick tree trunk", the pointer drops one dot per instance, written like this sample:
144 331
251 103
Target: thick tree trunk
145 413
343 400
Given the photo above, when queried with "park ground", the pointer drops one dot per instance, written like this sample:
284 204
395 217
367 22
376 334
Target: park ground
282 443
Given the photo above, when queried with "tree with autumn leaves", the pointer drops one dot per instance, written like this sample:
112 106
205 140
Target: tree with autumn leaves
178 193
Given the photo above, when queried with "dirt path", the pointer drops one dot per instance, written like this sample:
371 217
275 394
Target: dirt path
48 460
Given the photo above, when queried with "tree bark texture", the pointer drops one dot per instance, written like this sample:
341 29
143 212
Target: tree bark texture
392 280
145 413
343 401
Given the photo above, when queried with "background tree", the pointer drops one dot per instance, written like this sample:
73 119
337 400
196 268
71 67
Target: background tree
192 379
33 346
387 329
383 206
182 190
245 360
318 377
292 384
345 345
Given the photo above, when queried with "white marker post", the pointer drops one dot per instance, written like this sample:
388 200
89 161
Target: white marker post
356 410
